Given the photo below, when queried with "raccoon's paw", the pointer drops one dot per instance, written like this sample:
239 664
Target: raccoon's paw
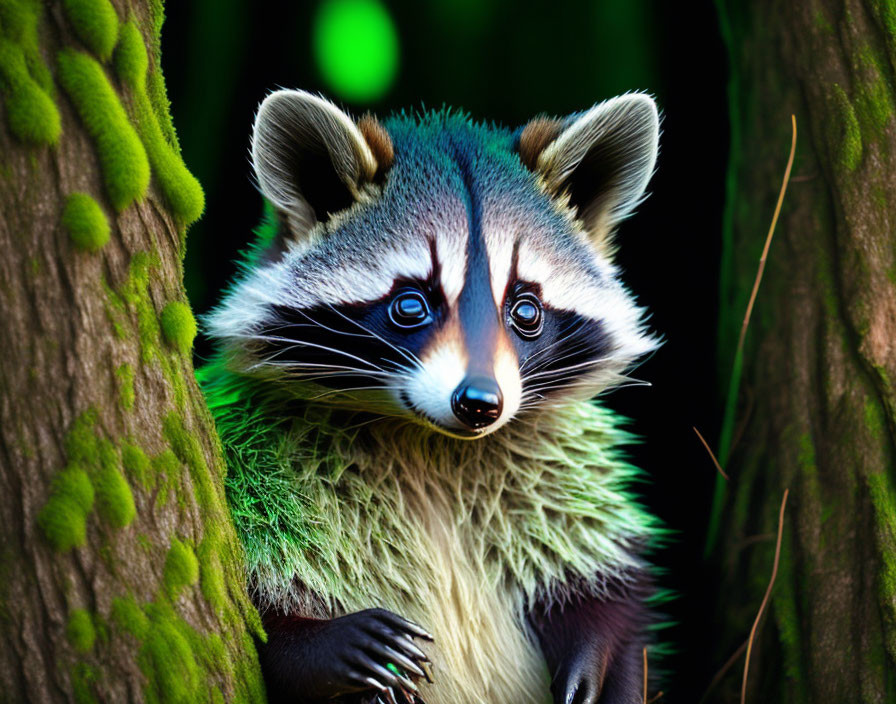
372 649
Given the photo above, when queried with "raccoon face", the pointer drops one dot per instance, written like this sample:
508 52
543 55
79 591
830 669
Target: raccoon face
451 273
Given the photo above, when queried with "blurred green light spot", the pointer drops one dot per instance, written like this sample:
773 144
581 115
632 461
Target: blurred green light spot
356 48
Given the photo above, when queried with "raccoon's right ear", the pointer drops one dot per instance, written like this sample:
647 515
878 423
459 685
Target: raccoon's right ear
311 159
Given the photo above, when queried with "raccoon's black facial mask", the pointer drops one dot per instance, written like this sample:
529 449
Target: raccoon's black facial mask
355 346
463 275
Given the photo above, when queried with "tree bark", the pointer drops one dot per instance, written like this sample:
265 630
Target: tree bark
817 402
121 576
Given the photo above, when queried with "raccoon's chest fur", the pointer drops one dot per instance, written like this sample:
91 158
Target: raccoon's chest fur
458 536
436 571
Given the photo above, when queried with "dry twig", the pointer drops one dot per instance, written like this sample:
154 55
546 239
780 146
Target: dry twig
768 591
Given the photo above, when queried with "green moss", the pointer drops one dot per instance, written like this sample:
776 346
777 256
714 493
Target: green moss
81 444
822 23
136 293
85 221
806 453
181 568
248 672
95 23
883 498
844 134
133 297
64 517
787 615
189 451
80 631
180 187
155 85
167 659
15 16
166 471
179 325
213 652
30 111
122 157
886 14
131 61
84 679
114 500
19 20
874 418
135 463
212 575
125 376
129 617
184 444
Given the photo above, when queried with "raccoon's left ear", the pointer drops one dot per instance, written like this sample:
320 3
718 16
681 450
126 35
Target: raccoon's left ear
601 159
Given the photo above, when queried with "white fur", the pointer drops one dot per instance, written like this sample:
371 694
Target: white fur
431 386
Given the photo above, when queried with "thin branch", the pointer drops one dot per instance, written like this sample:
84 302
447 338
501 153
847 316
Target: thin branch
737 366
645 674
768 592
722 670
711 455
768 238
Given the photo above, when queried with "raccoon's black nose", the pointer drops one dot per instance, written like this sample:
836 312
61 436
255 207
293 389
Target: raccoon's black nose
477 402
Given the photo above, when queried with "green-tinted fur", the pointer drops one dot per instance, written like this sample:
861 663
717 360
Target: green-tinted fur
347 510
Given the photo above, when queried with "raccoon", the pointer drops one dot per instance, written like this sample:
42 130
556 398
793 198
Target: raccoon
432 506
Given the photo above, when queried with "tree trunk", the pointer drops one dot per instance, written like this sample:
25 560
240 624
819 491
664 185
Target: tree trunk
122 576
817 402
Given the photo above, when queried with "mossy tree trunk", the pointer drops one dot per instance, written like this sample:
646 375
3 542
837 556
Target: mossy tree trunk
817 402
120 572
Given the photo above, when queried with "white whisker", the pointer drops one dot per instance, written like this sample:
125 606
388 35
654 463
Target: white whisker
303 343
407 354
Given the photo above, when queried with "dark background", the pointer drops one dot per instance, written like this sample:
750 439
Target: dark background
507 61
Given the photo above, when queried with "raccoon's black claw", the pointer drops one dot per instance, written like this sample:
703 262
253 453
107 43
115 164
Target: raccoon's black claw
583 692
380 674
396 658
577 683
388 697
400 642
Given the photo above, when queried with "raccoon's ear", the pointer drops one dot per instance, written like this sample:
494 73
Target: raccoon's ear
601 159
311 159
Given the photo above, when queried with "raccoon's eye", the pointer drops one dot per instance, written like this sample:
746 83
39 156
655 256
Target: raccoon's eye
527 316
409 310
